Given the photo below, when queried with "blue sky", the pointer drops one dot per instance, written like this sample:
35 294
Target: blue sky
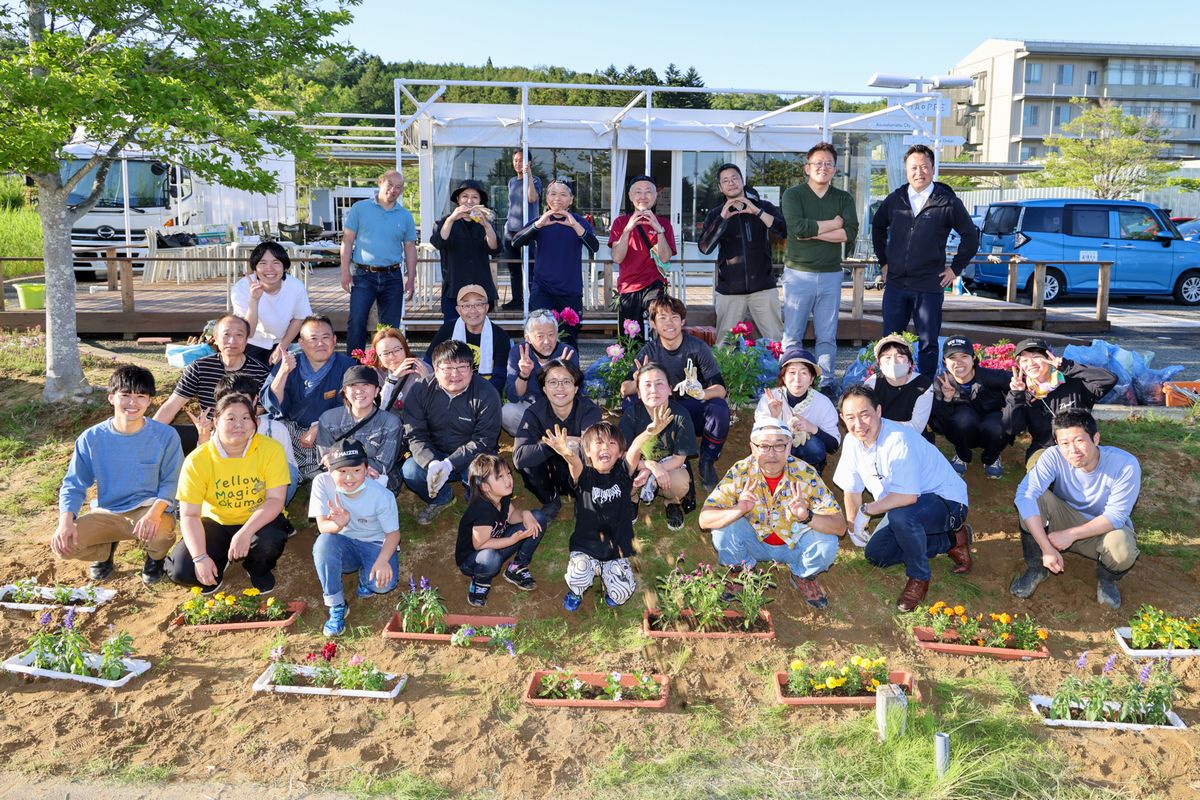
761 44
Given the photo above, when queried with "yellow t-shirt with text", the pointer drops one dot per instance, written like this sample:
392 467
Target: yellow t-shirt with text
230 489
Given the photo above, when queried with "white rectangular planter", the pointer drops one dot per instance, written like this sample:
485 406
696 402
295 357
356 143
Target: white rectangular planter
1125 638
24 664
263 684
1040 704
102 597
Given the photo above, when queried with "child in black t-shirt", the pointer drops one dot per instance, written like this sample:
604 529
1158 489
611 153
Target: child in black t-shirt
493 529
605 505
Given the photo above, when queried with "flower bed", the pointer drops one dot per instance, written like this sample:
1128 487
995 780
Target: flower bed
1041 705
825 683
131 668
320 674
231 612
560 688
694 603
1110 700
1008 637
1152 633
27 595
731 625
60 653
421 617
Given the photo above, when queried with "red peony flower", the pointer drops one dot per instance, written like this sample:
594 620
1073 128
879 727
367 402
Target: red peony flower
741 329
749 342
570 316
329 651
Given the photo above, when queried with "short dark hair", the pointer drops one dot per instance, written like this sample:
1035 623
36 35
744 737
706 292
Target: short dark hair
920 149
593 432
321 319
452 350
275 249
896 346
1074 418
858 390
231 315
483 467
559 363
131 379
821 147
671 305
236 383
732 166
233 399
650 366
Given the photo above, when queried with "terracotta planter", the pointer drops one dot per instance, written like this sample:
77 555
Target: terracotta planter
263 684
904 680
765 616
1125 642
595 679
392 629
927 641
47 592
296 607
24 664
1040 704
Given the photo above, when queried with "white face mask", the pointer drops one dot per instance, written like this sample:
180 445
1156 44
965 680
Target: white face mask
894 371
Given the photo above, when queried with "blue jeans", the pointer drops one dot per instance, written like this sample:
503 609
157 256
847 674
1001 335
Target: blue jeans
334 555
925 311
812 452
710 418
483 565
294 471
416 478
813 554
815 294
368 287
914 534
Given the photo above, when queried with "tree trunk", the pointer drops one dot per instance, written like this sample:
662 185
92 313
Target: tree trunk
64 373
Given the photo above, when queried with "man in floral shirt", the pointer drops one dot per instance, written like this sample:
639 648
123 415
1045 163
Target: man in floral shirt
772 506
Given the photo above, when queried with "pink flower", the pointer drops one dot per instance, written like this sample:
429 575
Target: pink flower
615 352
741 328
632 328
356 659
775 348
569 316
749 342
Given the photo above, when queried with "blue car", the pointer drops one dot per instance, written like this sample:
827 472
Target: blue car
1149 255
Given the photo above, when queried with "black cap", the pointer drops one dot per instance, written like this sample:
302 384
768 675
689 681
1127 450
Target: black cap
958 344
1031 344
360 373
347 453
470 184
629 184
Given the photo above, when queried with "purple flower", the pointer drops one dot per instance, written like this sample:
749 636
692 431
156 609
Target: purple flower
1109 664
45 618
424 583
412 586
1144 674
468 632
276 653
69 620
1081 663
509 647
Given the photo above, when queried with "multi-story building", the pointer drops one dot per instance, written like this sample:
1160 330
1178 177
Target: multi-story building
1023 88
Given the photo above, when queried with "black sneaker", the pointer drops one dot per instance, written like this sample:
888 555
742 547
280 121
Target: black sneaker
674 516
552 508
520 577
477 594
708 474
289 527
427 514
264 583
152 570
513 305
102 569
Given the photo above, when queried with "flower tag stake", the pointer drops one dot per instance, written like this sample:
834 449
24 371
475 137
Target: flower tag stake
891 711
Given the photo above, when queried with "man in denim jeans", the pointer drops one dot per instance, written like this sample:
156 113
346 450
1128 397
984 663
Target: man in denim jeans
820 220
379 258
922 499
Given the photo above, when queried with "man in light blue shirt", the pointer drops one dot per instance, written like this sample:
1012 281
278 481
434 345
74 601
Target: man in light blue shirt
1078 498
379 258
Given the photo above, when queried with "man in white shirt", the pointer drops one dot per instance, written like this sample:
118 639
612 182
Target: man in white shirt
922 499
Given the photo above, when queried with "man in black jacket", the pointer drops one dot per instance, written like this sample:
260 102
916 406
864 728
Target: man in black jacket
1044 384
967 403
449 418
909 232
741 227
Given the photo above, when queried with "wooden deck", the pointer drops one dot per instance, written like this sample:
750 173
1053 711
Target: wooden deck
171 308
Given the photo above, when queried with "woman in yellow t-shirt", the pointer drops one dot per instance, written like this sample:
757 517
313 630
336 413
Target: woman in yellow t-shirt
231 494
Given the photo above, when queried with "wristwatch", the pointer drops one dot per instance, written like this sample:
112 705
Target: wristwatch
807 517
760 213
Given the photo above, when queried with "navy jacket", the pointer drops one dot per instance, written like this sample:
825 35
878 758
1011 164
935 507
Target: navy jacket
914 248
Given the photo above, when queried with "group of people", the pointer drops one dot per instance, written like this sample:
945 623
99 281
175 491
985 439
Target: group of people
280 405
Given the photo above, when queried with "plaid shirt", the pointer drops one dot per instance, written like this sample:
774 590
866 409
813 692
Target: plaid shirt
770 514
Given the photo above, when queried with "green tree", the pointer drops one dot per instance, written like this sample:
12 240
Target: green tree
174 78
1104 148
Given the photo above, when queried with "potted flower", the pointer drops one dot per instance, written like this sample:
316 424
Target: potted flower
829 683
604 377
1005 636
322 673
28 595
1153 633
747 365
564 688
1119 702
694 604
421 617
996 356
234 612
61 653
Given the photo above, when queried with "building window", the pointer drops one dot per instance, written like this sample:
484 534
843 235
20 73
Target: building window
1032 115
1066 74
1030 152
1033 72
1063 115
1093 77
1149 72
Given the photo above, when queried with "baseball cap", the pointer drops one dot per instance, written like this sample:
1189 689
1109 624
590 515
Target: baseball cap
892 338
471 288
958 344
1031 344
360 373
801 355
347 453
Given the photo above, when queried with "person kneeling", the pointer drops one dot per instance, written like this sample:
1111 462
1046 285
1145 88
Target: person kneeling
493 530
772 506
360 530
1078 498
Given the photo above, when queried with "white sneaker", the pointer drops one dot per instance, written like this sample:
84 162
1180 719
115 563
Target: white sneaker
959 465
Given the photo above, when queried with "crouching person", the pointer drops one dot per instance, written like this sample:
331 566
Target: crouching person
360 530
1079 498
771 506
134 464
605 504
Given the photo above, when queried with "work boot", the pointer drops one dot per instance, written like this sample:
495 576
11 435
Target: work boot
1024 585
914 592
960 552
708 474
1107 592
99 570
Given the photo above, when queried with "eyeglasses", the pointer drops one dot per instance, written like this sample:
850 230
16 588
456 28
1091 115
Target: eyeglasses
448 367
392 352
822 165
770 448
472 306
560 383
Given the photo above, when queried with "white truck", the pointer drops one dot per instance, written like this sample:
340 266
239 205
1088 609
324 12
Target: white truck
161 195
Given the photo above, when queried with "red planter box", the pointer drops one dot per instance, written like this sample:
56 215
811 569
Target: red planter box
595 679
904 680
927 640
296 607
392 629
765 616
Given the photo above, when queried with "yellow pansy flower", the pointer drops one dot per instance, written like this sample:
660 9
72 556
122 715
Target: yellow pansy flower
196 590
270 601
251 592
795 666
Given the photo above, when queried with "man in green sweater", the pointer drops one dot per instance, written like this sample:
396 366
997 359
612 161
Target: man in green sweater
820 219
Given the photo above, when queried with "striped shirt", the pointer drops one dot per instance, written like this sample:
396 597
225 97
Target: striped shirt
200 378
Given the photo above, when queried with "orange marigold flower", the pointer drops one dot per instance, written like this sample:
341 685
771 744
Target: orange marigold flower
1042 633
960 610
